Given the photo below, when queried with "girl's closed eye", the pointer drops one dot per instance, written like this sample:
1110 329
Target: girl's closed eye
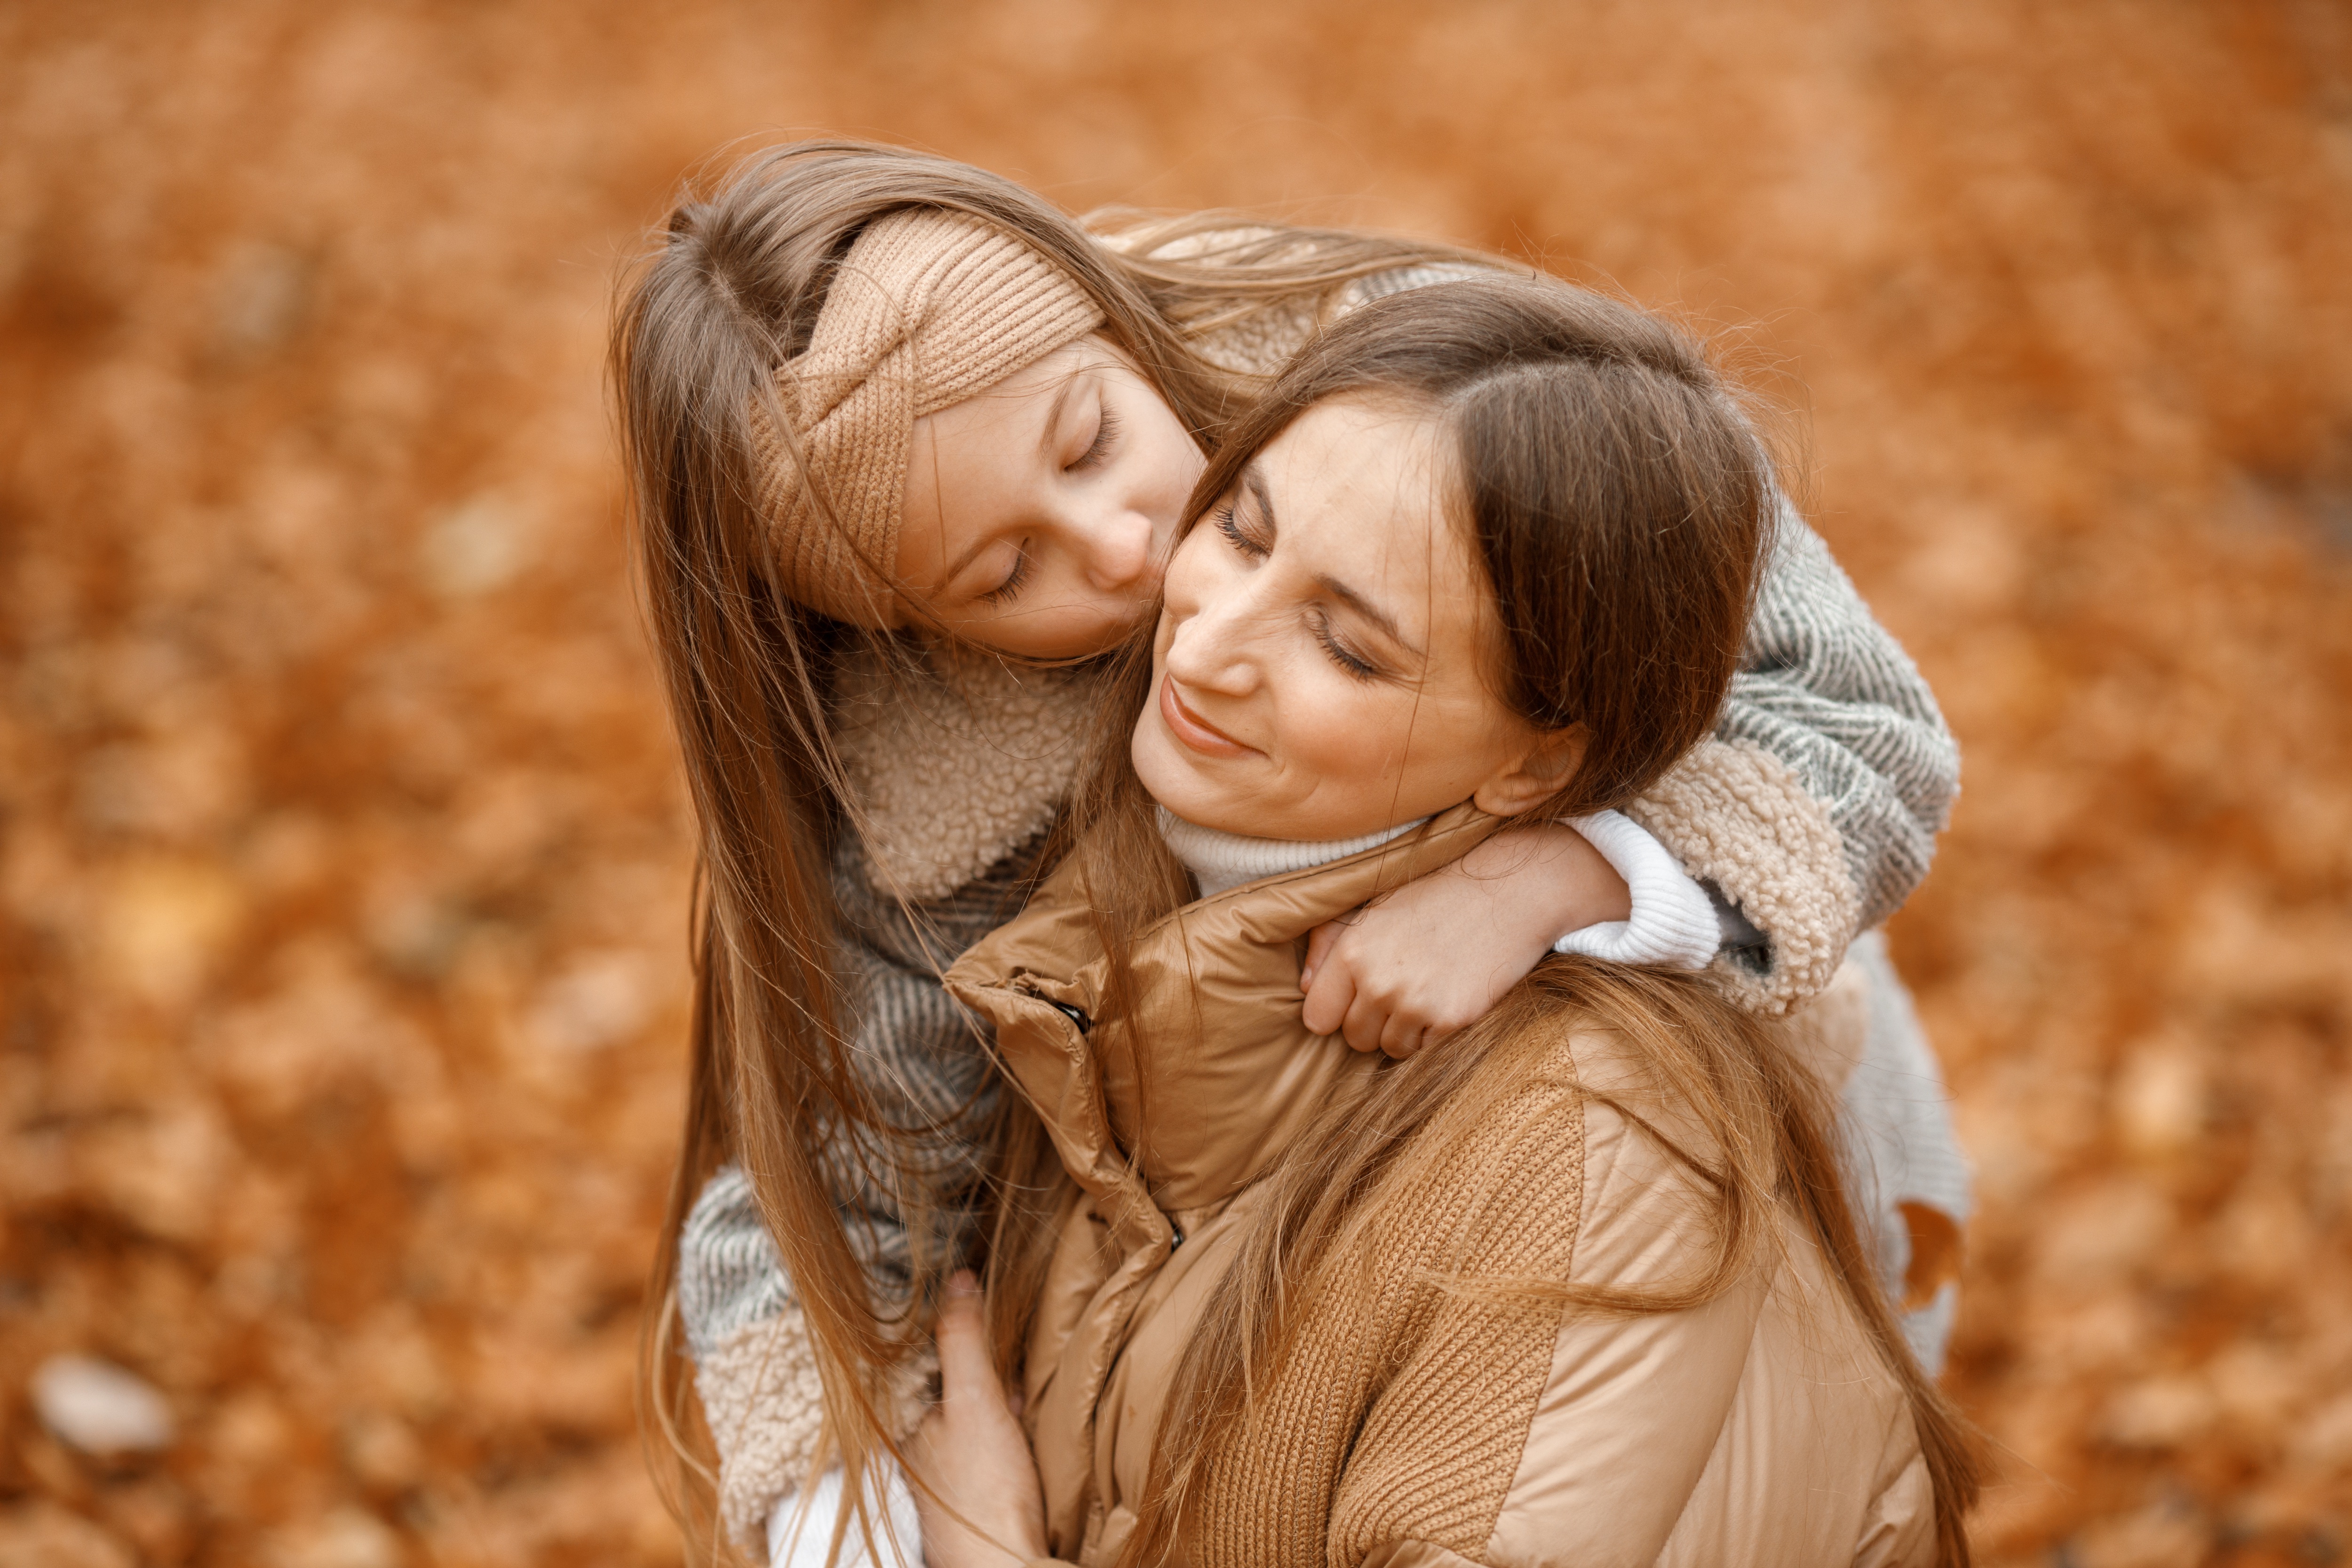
1005 593
1106 437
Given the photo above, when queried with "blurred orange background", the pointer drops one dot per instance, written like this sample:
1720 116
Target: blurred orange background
343 859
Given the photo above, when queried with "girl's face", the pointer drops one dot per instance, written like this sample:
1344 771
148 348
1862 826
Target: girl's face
1038 513
1317 671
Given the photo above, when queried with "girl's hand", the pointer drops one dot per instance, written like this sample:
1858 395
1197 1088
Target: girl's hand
1435 954
969 1454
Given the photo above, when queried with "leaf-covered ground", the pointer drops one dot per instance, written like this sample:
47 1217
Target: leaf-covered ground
343 866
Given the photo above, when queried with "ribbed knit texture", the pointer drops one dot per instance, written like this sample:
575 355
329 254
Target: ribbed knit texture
1421 1399
1824 689
1673 920
1899 1143
1821 688
1219 860
928 308
928 1072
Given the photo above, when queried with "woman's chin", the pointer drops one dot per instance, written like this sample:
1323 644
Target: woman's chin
1183 783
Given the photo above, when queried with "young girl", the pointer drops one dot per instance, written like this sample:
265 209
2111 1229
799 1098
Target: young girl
889 419
1581 1287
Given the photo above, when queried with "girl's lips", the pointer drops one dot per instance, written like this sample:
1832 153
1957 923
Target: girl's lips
1192 730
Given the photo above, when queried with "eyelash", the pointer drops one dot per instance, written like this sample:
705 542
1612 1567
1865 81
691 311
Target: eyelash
1228 524
1350 665
1106 432
1005 593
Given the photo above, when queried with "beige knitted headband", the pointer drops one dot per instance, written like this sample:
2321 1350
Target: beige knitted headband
928 308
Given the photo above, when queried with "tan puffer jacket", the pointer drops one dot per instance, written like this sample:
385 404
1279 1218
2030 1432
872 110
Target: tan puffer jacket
1415 1427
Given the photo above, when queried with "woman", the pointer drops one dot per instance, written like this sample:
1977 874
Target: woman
1581 1287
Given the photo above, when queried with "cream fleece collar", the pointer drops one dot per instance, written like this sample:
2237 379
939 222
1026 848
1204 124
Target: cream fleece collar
1219 860
956 761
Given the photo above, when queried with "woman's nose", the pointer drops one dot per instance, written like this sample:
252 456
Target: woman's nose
1212 648
1119 551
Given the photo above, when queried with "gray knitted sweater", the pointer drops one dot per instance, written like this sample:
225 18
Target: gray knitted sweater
1812 812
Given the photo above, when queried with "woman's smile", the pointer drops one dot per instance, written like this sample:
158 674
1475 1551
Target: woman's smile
1194 730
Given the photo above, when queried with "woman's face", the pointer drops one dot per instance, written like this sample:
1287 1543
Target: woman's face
1318 671
1038 514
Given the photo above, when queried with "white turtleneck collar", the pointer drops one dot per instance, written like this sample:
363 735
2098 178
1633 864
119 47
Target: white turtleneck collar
1674 920
1219 860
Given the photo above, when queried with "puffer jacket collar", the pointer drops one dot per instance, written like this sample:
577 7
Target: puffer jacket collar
1162 1120
1185 1106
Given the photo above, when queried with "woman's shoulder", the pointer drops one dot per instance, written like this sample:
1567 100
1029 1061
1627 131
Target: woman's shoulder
1550 1053
1558 1156
1720 1393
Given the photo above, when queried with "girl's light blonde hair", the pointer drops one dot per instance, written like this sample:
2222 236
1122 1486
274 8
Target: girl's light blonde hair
730 292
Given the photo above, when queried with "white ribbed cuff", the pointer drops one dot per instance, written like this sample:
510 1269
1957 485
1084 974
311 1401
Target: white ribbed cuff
1674 921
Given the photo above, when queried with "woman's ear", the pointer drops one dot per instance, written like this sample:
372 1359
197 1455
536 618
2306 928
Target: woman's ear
1540 771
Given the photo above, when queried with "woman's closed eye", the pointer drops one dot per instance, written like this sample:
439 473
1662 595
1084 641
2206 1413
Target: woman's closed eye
1351 664
1240 535
1106 437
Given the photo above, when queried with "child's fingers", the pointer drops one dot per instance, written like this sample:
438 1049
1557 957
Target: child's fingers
1401 1036
966 1372
1367 1021
1331 999
1319 948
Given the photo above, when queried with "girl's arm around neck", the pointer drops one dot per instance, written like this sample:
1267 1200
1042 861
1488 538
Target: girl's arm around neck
1436 954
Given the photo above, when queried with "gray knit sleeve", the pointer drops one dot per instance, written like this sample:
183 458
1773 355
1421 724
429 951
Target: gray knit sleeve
1812 810
755 1367
927 1074
1824 687
1263 341
728 1274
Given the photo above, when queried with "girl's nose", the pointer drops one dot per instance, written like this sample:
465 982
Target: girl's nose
1119 551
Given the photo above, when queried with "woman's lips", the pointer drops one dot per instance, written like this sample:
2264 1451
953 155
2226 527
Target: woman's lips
1192 730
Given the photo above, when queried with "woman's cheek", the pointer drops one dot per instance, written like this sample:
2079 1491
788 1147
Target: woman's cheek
1333 722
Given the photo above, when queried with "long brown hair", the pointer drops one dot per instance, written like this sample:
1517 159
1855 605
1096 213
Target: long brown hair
730 292
1620 505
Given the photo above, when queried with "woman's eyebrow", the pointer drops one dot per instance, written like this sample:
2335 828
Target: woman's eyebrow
1254 482
1366 608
